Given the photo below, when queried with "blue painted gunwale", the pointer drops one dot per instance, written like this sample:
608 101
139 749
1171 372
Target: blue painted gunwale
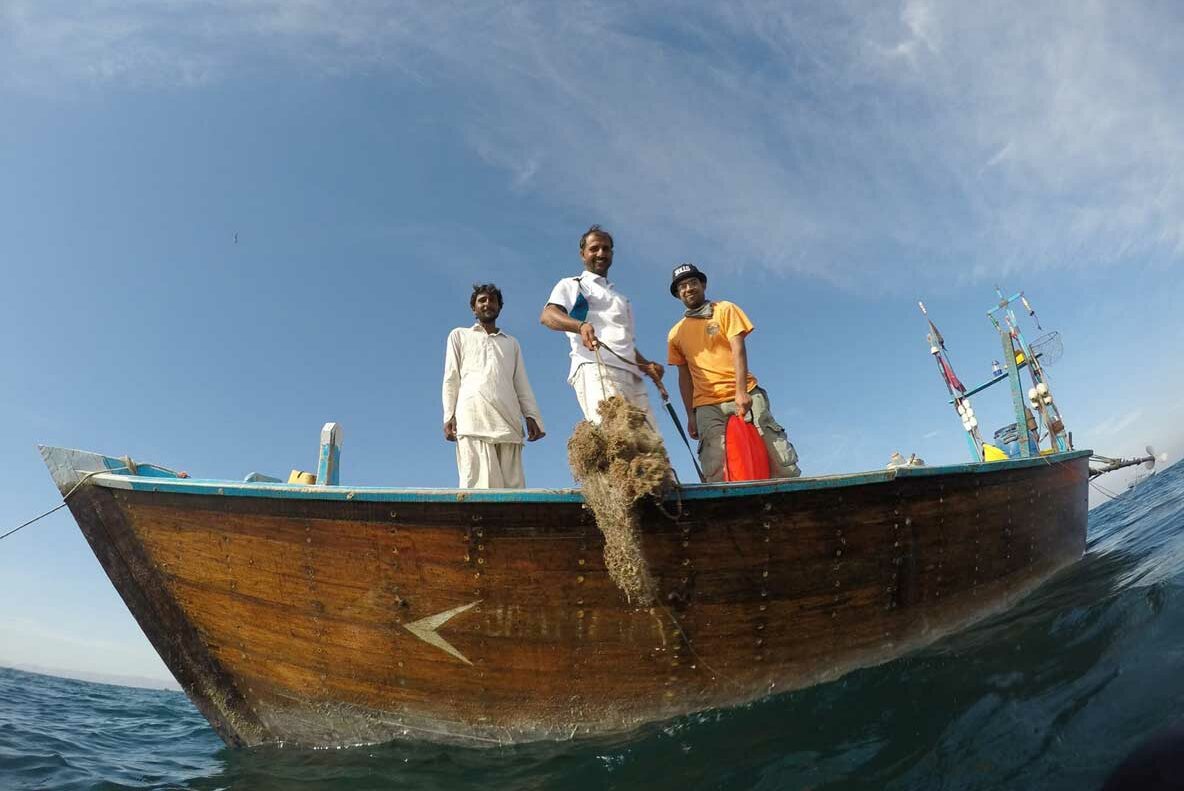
157 479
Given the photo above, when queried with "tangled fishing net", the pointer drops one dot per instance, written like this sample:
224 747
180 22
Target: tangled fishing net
619 462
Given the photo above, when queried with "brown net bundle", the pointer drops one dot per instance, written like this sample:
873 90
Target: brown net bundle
619 462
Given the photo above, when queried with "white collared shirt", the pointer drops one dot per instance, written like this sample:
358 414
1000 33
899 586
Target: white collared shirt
591 298
485 386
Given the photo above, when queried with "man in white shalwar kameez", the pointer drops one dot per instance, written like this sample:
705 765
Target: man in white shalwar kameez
595 315
487 397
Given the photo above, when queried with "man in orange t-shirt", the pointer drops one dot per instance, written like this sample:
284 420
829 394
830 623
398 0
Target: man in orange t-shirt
707 345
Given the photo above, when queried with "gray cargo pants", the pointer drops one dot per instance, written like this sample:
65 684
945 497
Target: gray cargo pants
712 420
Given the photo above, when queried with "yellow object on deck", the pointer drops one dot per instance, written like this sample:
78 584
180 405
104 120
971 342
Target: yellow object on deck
991 453
301 477
1019 358
1048 451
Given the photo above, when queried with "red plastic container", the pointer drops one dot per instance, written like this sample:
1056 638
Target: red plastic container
745 456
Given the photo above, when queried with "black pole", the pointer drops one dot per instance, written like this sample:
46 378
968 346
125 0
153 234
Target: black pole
678 425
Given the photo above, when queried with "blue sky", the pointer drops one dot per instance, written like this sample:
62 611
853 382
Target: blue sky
826 164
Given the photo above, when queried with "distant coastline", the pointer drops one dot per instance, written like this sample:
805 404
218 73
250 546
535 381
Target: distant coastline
141 682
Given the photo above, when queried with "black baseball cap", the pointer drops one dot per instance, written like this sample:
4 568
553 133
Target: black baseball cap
681 273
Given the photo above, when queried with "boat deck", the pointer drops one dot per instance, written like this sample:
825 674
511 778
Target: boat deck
156 479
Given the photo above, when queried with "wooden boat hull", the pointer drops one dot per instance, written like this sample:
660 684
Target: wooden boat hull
333 616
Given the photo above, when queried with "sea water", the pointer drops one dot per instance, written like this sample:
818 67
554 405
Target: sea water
1051 694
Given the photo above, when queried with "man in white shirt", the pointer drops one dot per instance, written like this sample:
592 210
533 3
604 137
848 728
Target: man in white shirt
595 315
486 397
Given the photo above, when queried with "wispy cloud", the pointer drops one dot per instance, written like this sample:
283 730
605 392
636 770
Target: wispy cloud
1116 424
855 144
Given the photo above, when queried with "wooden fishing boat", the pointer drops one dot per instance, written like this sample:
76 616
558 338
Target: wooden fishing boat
335 615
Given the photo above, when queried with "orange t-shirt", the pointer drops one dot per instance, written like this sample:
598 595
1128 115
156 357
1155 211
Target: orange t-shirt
704 346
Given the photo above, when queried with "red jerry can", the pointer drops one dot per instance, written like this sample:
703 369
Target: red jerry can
746 458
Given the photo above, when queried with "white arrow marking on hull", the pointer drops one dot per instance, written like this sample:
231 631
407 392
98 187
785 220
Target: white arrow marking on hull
425 629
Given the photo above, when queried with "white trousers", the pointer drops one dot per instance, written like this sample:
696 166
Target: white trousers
591 390
489 465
